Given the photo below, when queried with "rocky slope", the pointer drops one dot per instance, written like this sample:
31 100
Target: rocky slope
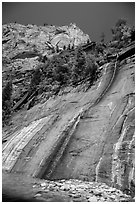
86 135
38 39
72 190
26 47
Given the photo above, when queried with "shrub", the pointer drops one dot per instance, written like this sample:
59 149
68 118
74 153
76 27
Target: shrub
69 68
6 103
35 80
132 34
91 68
61 74
84 69
77 72
122 33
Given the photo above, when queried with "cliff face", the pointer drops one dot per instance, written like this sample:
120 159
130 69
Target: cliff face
20 41
86 135
24 47
102 146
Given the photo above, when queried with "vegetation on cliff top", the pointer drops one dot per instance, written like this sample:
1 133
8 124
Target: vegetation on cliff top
70 68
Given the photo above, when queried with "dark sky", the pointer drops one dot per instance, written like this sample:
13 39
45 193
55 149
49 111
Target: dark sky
92 17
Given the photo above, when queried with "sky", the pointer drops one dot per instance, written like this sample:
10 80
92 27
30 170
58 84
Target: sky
92 18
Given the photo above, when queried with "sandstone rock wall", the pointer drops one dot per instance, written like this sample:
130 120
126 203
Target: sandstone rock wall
82 135
87 135
102 147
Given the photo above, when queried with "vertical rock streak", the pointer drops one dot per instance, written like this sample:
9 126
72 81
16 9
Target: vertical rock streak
132 171
117 170
63 146
15 146
47 165
122 163
109 84
97 169
96 101
117 130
